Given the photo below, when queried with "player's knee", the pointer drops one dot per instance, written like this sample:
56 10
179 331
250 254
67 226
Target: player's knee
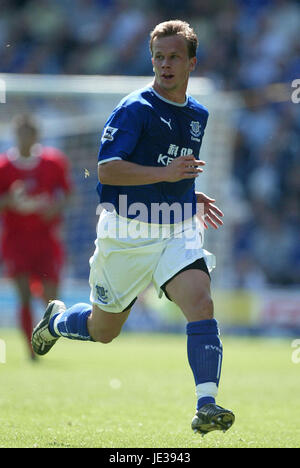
202 306
206 306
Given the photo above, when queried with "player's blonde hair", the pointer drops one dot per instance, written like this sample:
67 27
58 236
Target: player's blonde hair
176 27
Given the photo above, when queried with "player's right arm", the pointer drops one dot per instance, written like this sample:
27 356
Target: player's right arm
5 201
120 137
120 172
9 193
15 199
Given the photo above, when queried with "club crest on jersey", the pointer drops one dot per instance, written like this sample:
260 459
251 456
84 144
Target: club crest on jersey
102 294
109 134
195 129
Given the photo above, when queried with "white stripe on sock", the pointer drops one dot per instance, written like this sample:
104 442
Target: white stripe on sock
219 367
57 318
206 389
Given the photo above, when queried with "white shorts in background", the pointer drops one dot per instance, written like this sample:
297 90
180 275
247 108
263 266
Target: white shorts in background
130 254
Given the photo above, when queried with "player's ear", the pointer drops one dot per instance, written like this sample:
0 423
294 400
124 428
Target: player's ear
193 63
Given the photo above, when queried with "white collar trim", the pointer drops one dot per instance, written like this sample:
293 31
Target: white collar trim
29 162
170 102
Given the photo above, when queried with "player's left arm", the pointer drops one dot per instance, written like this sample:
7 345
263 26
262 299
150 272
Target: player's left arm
208 212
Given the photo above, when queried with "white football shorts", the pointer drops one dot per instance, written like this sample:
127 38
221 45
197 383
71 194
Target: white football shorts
131 254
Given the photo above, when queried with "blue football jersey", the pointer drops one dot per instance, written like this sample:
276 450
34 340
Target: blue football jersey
147 129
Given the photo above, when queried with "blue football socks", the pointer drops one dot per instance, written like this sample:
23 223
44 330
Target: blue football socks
205 354
72 323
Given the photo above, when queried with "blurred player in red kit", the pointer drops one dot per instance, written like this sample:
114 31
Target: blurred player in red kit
34 190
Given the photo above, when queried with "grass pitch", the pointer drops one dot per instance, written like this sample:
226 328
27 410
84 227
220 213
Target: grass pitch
139 392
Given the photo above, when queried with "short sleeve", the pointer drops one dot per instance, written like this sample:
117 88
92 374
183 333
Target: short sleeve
121 133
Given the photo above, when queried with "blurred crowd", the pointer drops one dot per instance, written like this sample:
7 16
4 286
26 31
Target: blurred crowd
244 45
242 42
266 177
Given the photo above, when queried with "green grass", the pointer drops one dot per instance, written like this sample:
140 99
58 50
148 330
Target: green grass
139 392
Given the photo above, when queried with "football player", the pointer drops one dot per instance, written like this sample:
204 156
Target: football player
34 190
148 229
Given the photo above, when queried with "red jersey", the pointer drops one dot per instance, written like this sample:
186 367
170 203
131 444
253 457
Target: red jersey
42 176
29 241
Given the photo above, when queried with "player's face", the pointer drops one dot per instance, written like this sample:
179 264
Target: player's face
26 136
172 66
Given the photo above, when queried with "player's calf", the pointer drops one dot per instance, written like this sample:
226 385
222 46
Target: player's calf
104 336
103 326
